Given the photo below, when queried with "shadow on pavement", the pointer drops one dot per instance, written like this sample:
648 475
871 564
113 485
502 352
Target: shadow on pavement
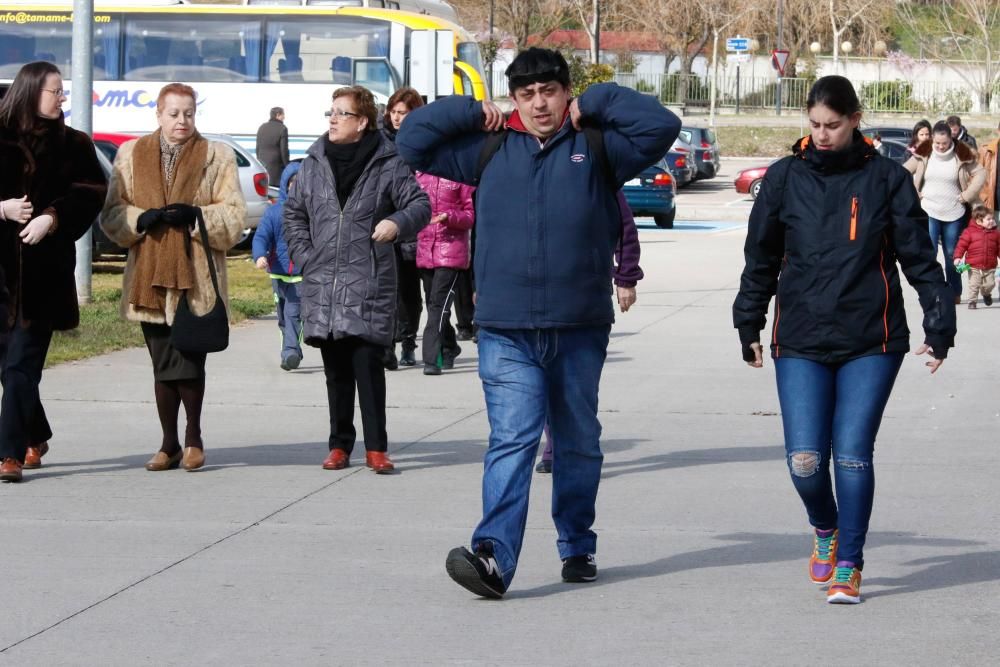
975 567
762 548
692 457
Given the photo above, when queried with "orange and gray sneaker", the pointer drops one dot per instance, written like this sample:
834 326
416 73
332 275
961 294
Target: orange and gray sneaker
845 587
821 563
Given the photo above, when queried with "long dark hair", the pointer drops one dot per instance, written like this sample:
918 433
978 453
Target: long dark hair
19 107
916 130
834 92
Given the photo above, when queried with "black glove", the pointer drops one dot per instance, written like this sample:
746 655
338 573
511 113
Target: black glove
149 219
180 215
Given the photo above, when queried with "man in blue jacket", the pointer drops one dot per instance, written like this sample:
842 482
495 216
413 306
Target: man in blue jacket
270 252
547 222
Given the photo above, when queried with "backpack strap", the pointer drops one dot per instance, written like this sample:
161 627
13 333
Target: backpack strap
494 140
595 140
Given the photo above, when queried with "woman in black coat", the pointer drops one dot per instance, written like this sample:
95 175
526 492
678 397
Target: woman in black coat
51 189
353 197
825 235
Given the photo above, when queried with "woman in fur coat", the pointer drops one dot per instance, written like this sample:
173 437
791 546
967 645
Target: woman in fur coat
51 189
158 184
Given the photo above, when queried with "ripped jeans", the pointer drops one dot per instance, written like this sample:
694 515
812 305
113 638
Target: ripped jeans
833 411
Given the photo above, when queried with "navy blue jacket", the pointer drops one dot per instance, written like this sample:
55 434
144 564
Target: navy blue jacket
547 222
269 239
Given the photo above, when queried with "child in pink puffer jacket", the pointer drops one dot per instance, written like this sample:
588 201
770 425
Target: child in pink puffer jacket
442 253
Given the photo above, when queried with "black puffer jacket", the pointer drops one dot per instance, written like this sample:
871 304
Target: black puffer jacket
348 280
825 233
59 171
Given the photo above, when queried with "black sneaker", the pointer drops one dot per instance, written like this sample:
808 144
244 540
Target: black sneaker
988 299
579 569
407 358
389 359
448 358
462 333
431 369
544 466
477 572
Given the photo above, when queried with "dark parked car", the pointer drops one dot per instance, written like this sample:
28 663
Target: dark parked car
653 193
681 167
902 134
705 146
895 150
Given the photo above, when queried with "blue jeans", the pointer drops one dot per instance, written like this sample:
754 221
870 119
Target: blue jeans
289 310
834 410
946 233
530 376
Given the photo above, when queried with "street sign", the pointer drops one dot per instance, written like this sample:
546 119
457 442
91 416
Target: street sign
738 58
779 58
738 44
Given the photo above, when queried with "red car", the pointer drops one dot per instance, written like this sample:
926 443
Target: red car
109 142
748 180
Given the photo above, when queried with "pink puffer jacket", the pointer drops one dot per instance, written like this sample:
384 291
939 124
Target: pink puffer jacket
446 245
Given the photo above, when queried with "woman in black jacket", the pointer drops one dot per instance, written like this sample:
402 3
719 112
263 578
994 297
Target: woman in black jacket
51 189
825 234
353 197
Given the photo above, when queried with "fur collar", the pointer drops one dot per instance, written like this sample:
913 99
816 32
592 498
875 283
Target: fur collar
962 151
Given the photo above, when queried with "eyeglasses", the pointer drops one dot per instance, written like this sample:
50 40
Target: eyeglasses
337 113
58 92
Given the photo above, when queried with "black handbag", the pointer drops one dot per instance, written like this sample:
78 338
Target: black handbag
201 333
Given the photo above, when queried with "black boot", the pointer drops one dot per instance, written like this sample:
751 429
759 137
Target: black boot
389 358
408 358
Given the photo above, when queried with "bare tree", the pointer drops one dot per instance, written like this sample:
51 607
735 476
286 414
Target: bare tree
843 14
962 34
682 35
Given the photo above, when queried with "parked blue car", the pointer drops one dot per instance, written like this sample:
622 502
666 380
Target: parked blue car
653 193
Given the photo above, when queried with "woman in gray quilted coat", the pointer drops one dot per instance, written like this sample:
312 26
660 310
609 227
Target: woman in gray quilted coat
353 197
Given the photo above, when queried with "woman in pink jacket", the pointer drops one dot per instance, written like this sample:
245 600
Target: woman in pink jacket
442 253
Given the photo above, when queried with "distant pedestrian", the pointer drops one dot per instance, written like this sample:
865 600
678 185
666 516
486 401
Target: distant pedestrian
442 253
408 302
959 133
353 197
547 222
160 184
272 145
979 245
270 253
948 180
921 133
840 331
990 194
51 189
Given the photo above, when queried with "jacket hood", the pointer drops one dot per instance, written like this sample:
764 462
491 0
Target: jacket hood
286 176
854 156
962 150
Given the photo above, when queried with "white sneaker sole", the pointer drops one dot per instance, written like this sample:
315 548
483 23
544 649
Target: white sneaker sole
843 598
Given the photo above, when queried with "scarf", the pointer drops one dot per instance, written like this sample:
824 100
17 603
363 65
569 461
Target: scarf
859 151
348 161
164 174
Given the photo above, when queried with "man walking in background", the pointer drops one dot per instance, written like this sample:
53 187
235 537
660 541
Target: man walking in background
272 145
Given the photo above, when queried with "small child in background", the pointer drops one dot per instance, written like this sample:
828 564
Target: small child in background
270 253
980 245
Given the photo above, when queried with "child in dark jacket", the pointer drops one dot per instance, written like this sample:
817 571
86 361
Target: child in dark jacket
980 245
270 252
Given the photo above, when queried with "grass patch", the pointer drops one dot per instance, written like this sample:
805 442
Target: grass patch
765 142
102 330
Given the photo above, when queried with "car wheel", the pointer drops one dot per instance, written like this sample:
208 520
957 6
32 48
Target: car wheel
665 220
755 188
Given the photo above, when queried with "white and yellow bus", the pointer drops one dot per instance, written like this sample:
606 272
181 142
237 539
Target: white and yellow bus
243 60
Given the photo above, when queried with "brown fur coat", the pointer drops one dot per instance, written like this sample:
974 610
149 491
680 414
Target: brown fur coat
224 209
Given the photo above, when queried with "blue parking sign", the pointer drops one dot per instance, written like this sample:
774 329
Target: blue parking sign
738 44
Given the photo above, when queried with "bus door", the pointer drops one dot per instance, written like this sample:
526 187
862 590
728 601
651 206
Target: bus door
432 63
375 74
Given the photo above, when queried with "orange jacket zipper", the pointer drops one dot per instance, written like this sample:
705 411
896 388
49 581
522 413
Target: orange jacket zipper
854 218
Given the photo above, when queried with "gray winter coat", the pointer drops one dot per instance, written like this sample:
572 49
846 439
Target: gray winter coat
349 281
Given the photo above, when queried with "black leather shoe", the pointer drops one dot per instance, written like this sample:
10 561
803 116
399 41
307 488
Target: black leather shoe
389 359
407 358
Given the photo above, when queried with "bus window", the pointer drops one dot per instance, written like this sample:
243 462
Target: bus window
321 51
376 76
468 52
52 41
181 50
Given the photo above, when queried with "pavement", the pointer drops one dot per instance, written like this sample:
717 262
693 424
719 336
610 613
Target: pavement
263 558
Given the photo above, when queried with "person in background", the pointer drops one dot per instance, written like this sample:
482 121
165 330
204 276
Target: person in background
270 253
921 133
979 245
408 303
353 197
51 189
948 180
840 332
959 133
272 145
159 184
